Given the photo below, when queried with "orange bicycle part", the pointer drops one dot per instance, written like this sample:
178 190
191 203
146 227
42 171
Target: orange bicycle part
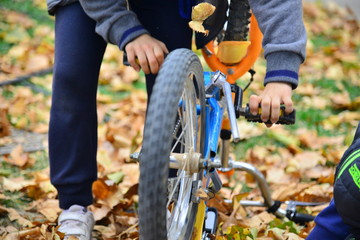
235 71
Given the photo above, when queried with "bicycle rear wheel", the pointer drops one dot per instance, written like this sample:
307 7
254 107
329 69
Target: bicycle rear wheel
174 123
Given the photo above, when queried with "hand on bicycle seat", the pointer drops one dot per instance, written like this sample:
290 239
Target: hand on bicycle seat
274 94
146 53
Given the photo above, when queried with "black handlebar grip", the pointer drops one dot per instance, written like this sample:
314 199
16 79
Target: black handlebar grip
283 119
300 218
125 60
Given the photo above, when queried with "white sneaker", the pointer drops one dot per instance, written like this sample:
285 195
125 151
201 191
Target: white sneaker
77 221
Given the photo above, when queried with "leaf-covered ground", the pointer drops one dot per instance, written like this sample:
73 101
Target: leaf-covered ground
298 161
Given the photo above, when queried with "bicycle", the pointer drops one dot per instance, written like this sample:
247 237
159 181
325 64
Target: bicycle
184 127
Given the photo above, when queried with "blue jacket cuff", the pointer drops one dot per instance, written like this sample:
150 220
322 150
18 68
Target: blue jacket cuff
130 35
283 67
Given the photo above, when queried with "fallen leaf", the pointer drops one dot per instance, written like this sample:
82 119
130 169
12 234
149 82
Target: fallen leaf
13 215
18 157
4 122
16 184
309 159
99 212
199 14
49 208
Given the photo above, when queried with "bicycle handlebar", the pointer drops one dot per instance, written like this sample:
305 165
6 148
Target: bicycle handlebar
283 119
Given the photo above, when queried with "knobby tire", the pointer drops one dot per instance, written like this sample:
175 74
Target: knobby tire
180 77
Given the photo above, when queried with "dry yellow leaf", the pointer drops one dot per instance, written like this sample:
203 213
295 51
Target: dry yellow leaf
16 184
198 27
202 11
199 14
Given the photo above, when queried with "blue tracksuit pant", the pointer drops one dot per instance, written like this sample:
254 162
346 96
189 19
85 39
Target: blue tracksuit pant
329 224
73 119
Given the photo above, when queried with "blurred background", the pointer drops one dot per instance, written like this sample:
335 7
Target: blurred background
298 161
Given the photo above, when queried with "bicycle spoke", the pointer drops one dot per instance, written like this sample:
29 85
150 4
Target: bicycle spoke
178 139
172 125
183 186
175 187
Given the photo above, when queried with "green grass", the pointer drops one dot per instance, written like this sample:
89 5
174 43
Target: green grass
321 41
115 95
326 84
139 85
241 148
354 91
7 94
28 8
4 47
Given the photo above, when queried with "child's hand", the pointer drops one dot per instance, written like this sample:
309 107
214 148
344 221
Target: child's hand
146 53
274 94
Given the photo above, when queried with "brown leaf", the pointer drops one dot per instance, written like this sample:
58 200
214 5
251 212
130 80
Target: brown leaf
16 184
340 100
276 175
19 107
129 75
290 190
17 18
247 130
99 212
37 62
101 189
13 215
126 220
317 193
107 232
309 159
29 232
232 219
114 199
133 190
311 140
131 177
319 172
219 203
49 208
18 157
4 122
259 220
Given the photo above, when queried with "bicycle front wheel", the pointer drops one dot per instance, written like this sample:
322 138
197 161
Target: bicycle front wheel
174 124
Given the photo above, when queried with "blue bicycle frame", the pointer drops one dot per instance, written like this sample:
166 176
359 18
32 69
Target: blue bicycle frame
214 117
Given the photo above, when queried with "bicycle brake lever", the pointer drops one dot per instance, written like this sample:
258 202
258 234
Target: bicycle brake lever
219 79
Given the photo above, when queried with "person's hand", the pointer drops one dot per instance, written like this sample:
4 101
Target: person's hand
274 94
146 53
